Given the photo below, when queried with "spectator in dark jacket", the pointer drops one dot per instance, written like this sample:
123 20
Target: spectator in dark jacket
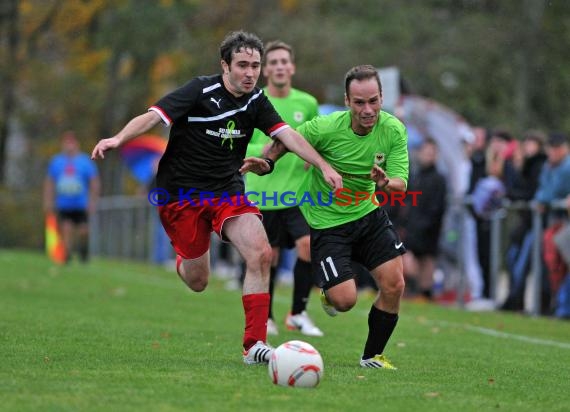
527 163
424 219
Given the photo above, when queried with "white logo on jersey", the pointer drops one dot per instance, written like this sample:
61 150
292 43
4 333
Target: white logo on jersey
217 102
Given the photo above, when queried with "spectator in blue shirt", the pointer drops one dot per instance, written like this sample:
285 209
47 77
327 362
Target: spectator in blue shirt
71 189
554 182
554 186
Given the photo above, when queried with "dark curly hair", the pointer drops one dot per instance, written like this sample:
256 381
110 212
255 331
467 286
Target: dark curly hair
237 40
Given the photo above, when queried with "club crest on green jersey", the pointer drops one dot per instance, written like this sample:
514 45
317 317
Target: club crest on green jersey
379 159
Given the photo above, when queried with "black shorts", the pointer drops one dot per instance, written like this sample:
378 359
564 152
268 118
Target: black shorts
370 240
285 226
74 216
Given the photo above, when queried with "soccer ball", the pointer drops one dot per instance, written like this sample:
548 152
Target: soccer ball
296 363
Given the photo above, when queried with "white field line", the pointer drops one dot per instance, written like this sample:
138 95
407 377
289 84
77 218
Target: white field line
491 332
504 335
477 329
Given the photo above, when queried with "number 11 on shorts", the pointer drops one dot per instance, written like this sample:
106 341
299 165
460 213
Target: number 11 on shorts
332 266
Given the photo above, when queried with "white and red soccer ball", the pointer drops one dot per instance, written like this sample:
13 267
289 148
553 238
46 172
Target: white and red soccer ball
296 363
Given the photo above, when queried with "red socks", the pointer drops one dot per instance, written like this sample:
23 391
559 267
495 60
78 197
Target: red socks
256 308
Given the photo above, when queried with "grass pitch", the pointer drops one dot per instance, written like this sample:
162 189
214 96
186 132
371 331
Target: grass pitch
130 337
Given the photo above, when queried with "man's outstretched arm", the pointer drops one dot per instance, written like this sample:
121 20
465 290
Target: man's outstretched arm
137 126
296 143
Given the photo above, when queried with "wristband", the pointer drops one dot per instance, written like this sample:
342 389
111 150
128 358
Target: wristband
271 164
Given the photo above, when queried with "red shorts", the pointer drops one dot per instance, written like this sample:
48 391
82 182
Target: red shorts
189 226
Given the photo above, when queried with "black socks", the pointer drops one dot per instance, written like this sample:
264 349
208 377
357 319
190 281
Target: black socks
272 276
380 327
302 285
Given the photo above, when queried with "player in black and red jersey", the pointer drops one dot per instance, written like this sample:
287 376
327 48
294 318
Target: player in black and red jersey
212 119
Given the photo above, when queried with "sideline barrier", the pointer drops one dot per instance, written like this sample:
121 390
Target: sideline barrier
126 227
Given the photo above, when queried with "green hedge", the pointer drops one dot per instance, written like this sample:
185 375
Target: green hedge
21 220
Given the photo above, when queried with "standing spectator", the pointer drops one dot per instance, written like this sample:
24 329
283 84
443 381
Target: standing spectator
71 190
554 186
474 170
497 160
201 174
528 164
285 225
424 219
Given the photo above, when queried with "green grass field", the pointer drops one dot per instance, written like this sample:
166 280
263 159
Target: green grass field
121 336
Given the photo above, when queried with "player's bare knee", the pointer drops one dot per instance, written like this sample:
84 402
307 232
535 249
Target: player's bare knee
265 256
345 306
259 260
394 287
344 303
304 248
197 285
400 285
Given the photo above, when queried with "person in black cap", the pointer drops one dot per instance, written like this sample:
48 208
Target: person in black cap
554 187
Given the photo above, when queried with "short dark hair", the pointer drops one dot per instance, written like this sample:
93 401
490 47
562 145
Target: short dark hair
502 134
362 72
431 141
537 135
277 45
237 40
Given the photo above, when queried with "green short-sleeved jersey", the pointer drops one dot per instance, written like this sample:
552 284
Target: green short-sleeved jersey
353 157
289 171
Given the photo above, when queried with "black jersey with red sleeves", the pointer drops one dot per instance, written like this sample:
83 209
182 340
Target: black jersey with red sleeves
211 129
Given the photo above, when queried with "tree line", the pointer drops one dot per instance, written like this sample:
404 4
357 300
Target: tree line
92 65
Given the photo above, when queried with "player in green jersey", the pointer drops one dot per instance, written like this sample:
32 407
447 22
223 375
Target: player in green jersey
285 225
368 147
